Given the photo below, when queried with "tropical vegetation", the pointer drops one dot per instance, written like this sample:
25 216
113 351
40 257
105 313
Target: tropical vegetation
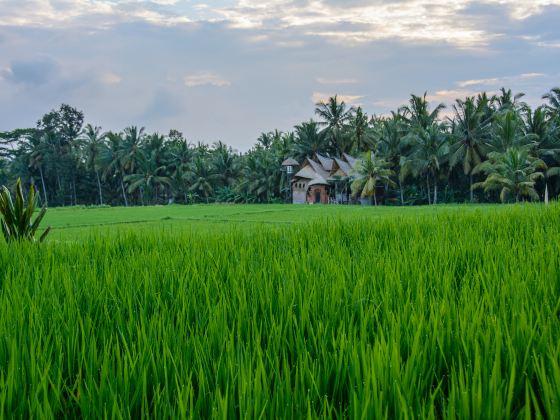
432 157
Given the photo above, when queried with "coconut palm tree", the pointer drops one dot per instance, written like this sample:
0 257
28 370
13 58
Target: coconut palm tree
370 171
546 141
131 147
335 117
111 159
417 113
93 141
508 130
391 132
201 178
507 101
470 131
514 172
148 177
308 140
225 164
553 98
334 114
429 150
178 161
359 124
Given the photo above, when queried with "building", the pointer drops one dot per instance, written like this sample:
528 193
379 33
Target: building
323 180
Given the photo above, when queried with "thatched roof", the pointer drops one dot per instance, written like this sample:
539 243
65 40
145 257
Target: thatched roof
322 169
326 163
290 162
306 172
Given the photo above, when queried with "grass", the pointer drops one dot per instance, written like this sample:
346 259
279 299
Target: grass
281 311
73 222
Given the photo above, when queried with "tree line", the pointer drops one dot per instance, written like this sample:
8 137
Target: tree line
488 148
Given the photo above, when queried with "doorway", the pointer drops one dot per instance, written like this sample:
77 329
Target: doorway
317 196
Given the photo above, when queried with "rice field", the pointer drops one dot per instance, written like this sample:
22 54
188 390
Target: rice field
284 311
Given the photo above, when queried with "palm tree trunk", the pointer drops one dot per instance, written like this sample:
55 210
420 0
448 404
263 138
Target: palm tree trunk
60 191
43 184
99 188
546 192
124 193
74 190
472 192
374 197
428 189
401 191
435 191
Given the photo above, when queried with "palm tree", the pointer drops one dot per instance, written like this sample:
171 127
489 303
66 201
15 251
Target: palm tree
553 98
370 172
470 131
148 177
178 162
335 116
391 132
309 140
514 172
112 160
507 101
202 178
283 145
93 141
225 164
131 145
508 131
429 149
417 113
546 144
261 177
359 125
38 154
265 140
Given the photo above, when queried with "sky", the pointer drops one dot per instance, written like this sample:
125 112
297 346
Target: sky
231 69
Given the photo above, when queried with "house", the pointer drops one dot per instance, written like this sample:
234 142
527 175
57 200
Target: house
324 180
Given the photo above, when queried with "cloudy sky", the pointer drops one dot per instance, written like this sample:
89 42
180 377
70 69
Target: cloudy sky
229 69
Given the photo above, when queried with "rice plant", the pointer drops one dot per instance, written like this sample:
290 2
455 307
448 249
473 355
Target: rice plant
448 315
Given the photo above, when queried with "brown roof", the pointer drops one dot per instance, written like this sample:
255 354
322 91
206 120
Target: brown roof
326 162
290 162
344 166
351 160
318 174
306 172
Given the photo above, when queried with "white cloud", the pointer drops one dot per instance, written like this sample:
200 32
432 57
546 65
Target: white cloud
478 82
205 79
348 99
110 78
549 44
354 23
500 81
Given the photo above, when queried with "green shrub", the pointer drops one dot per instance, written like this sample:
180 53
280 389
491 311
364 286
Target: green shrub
17 223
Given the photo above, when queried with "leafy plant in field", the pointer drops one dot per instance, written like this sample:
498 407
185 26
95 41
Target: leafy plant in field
17 216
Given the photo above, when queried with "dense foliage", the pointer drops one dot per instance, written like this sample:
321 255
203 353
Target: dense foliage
311 320
429 159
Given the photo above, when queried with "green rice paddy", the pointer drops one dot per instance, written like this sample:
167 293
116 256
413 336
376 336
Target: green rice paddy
284 311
